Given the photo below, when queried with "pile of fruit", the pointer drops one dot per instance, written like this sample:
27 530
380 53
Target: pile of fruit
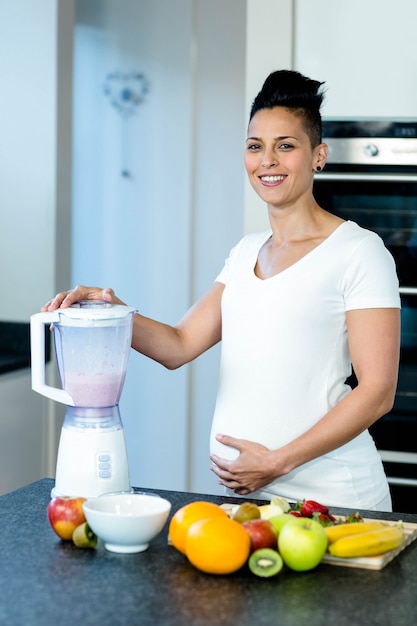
222 539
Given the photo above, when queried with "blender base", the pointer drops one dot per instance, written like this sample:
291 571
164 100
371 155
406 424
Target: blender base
57 494
91 463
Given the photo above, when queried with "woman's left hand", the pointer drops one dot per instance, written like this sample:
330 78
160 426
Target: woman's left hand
252 470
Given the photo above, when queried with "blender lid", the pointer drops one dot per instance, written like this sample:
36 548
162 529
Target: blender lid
96 310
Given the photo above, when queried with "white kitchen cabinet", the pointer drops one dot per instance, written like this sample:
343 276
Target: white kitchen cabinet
366 52
23 440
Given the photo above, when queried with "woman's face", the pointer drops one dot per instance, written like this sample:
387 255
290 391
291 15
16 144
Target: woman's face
279 158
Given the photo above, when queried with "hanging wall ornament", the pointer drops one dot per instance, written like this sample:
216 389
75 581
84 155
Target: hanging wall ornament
125 92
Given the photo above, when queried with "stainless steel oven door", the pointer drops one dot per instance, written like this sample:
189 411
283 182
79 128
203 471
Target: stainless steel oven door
383 202
387 204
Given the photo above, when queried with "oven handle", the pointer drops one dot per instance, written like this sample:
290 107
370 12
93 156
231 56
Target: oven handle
408 291
397 456
367 177
391 456
404 482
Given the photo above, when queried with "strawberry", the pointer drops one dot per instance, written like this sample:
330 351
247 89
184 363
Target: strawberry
295 513
308 507
353 517
325 519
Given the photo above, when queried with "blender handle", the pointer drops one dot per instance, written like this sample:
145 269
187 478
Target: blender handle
37 341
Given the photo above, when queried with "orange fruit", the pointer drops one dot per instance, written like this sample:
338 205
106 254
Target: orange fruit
187 515
217 545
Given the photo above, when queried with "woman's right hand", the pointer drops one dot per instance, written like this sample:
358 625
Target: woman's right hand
79 293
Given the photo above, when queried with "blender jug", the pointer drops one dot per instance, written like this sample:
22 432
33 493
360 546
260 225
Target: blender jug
92 346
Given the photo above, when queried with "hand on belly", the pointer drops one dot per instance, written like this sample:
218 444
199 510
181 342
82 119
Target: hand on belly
249 471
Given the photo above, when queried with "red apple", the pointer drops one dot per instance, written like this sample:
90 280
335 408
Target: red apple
262 534
65 514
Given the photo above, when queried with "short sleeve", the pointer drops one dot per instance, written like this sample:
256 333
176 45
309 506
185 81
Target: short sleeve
245 251
224 275
370 280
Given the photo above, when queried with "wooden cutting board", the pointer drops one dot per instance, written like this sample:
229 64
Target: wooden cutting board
380 561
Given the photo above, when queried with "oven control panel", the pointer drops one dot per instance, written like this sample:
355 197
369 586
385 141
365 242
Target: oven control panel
366 142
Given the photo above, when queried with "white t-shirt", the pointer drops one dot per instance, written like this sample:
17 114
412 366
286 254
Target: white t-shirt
285 358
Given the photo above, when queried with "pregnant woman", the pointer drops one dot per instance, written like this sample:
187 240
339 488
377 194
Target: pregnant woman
295 308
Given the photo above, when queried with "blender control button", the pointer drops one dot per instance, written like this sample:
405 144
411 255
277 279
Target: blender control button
104 474
104 466
104 457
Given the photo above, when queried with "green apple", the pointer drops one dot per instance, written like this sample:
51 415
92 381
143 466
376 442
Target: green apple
278 521
302 543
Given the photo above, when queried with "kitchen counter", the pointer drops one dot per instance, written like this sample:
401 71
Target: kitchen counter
44 580
14 346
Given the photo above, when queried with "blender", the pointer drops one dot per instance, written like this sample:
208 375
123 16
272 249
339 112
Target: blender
92 345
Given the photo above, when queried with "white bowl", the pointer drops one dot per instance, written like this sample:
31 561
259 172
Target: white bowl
126 522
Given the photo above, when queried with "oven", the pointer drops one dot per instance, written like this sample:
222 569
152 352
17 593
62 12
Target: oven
371 178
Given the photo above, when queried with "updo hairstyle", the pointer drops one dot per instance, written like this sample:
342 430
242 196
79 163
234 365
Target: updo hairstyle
297 93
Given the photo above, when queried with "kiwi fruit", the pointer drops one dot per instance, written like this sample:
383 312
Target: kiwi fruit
265 562
246 512
83 536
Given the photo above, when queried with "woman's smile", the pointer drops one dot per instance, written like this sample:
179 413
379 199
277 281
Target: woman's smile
271 180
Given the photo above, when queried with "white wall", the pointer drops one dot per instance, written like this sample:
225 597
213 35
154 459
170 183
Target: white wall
33 182
269 47
133 233
217 178
160 236
35 208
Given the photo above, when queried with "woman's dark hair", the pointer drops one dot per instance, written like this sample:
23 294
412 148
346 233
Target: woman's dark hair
299 94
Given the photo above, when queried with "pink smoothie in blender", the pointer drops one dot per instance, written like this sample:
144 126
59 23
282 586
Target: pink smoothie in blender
93 390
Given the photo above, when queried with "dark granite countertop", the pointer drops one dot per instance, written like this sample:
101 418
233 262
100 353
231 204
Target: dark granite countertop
44 581
15 346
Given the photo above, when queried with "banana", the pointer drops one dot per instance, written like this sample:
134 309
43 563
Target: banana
371 543
343 530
